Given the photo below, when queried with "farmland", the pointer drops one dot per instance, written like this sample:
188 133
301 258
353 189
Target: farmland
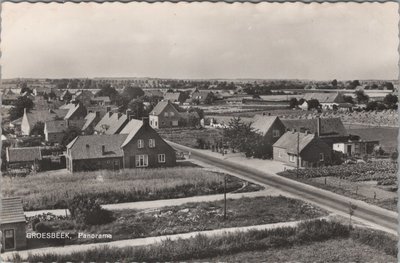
374 182
51 191
129 224
332 240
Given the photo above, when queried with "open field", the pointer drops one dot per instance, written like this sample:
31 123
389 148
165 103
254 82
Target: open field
190 217
374 182
316 240
54 190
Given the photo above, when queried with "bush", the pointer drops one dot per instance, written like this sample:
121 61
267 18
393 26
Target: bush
88 211
43 227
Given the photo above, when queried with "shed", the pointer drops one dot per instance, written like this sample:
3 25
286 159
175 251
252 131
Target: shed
12 224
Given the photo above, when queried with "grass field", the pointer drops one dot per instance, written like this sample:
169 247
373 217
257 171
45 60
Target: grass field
51 191
191 217
319 241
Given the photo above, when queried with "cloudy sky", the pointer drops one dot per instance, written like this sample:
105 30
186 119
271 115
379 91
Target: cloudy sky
200 40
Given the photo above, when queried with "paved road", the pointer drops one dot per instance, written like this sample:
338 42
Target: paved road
385 219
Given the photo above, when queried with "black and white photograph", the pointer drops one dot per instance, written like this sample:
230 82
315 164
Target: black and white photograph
199 132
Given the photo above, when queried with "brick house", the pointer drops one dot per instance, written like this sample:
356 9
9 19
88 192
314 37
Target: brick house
270 127
311 150
164 115
12 224
142 147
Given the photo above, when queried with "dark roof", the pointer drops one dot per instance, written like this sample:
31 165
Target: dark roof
262 123
289 139
55 126
329 126
24 154
11 210
324 97
153 92
90 146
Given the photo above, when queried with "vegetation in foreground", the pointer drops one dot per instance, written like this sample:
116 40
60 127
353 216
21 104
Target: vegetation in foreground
130 224
383 172
279 240
54 191
190 136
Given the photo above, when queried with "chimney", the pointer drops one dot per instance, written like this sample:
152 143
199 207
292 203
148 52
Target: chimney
108 109
119 115
145 121
103 149
128 114
318 126
263 113
97 114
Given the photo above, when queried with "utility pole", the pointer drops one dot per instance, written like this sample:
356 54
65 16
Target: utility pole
298 153
225 197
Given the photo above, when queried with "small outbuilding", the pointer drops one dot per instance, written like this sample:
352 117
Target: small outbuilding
12 224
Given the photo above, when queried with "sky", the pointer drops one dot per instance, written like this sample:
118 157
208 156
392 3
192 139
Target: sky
200 40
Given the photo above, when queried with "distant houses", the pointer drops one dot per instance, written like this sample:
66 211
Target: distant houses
328 101
164 115
12 224
140 148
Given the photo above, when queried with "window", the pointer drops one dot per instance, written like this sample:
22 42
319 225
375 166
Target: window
9 239
275 133
171 114
165 114
321 157
142 161
161 158
292 158
151 123
152 143
140 143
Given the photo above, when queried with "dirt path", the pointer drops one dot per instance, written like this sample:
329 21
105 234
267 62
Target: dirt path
147 241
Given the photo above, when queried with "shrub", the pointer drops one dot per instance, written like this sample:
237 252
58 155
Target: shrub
88 211
44 227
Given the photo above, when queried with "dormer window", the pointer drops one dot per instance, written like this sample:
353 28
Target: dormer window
140 143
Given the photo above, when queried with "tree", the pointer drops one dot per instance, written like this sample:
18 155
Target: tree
38 129
371 106
209 99
361 97
391 101
132 92
313 104
107 91
334 83
87 210
389 85
293 103
69 134
348 99
136 108
199 111
17 111
24 88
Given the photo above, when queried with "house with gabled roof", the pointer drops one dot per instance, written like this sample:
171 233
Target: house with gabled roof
175 97
270 127
164 115
29 119
91 120
328 100
140 148
12 224
54 130
303 148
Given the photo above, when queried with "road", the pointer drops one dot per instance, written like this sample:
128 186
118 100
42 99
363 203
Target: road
385 219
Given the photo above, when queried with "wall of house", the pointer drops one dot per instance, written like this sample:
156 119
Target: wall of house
281 155
277 125
19 232
55 137
153 121
168 121
161 147
312 152
25 128
111 163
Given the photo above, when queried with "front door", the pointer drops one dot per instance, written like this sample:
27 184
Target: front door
9 239
349 150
